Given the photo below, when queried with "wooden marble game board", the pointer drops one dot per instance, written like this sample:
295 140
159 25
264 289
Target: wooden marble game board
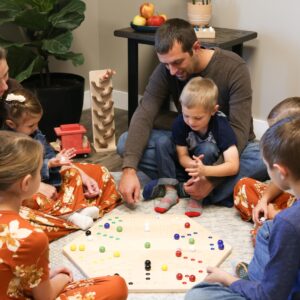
132 239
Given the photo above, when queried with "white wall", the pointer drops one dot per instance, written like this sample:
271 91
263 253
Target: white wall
273 58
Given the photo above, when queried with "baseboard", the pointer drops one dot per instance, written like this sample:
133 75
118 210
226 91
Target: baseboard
121 102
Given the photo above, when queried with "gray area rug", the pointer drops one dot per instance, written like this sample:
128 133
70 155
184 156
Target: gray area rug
222 221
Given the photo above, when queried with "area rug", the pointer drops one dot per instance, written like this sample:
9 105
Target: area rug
222 221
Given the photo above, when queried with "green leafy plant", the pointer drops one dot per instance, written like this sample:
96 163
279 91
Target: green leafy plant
45 30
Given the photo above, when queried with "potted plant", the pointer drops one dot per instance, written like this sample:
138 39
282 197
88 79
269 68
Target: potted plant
45 31
199 12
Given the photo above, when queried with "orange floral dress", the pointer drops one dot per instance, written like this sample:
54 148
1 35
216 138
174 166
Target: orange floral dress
247 193
24 264
44 213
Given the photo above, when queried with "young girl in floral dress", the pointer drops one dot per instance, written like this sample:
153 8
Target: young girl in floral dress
77 193
24 251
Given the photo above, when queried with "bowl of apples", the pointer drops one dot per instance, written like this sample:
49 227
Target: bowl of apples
147 21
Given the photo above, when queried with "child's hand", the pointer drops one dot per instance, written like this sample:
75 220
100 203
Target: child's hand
215 274
63 158
197 169
91 186
260 210
272 211
61 270
47 190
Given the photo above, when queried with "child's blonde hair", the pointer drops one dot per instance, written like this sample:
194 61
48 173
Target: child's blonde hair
200 92
18 103
20 155
288 107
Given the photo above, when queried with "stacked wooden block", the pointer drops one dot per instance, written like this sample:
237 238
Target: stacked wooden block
102 109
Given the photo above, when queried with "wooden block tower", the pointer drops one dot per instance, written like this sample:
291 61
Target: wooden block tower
102 109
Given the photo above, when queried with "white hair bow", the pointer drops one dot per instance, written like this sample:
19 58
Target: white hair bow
13 97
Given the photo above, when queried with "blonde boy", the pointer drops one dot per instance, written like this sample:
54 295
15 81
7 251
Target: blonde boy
201 135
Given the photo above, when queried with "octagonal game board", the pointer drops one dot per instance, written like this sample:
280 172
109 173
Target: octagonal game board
152 252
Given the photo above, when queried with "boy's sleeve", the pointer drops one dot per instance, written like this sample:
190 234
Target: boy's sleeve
281 271
226 135
178 132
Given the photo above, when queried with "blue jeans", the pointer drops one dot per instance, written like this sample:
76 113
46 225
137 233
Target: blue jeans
251 164
211 291
168 165
261 254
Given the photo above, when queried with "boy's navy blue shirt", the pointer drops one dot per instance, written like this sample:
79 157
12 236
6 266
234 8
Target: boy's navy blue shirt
281 277
219 131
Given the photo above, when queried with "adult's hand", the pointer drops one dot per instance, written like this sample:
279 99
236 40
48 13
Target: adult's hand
199 189
129 186
48 190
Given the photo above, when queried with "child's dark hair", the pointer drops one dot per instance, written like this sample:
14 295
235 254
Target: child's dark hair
286 108
15 104
281 143
19 155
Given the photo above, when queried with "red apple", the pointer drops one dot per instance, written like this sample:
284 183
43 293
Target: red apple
147 10
155 21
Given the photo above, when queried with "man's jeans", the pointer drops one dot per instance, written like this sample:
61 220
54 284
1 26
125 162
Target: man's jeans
251 164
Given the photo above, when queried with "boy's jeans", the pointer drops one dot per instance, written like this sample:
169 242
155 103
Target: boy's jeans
251 164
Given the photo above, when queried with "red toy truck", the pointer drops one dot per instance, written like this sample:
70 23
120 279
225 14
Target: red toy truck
72 136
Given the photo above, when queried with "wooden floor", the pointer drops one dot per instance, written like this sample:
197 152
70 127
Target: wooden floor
109 159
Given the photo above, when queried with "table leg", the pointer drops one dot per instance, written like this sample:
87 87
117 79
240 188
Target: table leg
132 77
238 49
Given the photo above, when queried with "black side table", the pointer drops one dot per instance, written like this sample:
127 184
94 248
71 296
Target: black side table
230 39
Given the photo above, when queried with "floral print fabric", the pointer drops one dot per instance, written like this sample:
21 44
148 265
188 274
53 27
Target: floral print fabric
24 265
44 213
248 192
